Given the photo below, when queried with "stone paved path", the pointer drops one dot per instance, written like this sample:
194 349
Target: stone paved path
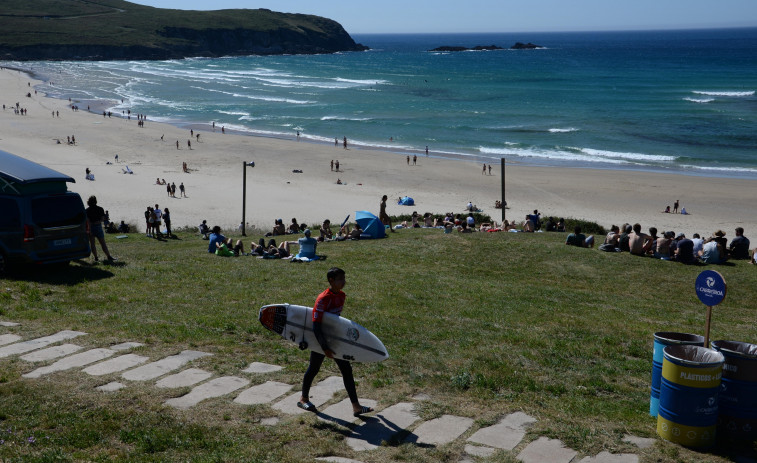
365 433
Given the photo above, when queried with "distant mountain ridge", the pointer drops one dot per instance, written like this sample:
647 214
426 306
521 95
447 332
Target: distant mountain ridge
117 30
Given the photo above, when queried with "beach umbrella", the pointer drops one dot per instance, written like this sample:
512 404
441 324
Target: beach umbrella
371 225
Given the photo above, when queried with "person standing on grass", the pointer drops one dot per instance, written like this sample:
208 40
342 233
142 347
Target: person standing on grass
329 301
95 215
383 216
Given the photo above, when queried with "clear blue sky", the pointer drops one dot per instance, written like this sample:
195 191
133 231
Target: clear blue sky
397 16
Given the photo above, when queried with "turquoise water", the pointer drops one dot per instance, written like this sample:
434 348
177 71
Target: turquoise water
680 101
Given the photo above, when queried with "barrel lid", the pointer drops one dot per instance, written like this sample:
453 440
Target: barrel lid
671 337
736 348
693 355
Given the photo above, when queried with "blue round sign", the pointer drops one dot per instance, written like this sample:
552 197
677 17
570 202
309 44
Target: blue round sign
710 287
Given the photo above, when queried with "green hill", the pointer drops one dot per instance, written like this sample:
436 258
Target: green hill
116 29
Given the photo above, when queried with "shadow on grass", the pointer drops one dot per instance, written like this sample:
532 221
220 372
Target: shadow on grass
59 274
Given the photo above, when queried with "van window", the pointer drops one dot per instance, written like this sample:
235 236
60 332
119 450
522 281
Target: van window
10 217
57 211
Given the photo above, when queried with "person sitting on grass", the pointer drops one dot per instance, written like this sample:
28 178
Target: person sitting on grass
325 231
579 239
307 247
204 230
228 248
638 242
294 227
215 238
528 225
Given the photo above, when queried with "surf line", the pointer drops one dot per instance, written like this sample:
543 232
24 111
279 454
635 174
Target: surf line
348 341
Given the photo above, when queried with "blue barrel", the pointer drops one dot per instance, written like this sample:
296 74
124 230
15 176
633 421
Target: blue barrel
737 398
688 412
662 339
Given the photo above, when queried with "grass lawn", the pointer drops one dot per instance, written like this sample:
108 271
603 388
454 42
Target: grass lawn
485 324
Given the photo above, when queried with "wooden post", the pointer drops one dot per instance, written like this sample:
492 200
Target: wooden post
244 196
707 328
502 168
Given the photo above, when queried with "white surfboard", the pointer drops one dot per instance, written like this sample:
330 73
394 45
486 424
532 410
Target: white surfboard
349 340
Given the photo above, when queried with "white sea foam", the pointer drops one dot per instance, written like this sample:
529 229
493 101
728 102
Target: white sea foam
579 154
699 100
721 169
343 118
733 94
569 129
233 113
561 155
631 156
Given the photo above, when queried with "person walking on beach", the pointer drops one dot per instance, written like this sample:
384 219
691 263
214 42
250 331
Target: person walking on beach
383 216
329 301
675 207
189 144
181 189
177 144
337 165
408 159
95 215
345 142
490 169
415 158
483 172
426 150
332 165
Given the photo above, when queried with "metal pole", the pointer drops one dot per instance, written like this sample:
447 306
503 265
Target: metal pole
502 168
244 196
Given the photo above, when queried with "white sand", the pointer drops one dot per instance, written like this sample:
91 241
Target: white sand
214 186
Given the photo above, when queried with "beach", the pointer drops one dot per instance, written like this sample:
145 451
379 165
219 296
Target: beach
274 190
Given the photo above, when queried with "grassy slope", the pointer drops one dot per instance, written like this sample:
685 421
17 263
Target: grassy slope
485 324
120 23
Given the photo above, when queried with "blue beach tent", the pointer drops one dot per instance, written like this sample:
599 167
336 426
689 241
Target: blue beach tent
371 225
406 201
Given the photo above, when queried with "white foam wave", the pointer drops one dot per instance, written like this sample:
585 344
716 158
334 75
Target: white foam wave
699 100
561 155
342 118
734 94
233 113
569 129
361 82
579 154
630 156
721 169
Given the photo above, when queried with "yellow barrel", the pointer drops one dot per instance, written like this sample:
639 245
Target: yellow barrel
688 412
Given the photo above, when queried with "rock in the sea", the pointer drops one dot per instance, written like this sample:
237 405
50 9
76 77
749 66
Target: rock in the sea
476 48
524 46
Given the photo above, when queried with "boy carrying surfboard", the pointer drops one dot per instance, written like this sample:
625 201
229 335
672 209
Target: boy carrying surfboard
329 301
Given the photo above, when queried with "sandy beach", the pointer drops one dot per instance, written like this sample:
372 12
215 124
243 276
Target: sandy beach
274 190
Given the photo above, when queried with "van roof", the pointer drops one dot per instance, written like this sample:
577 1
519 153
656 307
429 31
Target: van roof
23 171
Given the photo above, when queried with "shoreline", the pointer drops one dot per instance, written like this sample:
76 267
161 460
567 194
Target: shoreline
438 184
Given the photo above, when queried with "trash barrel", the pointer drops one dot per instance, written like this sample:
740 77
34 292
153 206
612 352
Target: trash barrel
737 398
688 412
662 339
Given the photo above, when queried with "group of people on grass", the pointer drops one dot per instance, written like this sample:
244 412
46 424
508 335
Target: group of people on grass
154 218
227 247
677 247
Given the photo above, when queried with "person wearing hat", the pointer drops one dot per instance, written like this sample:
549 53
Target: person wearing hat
712 252
684 252
739 248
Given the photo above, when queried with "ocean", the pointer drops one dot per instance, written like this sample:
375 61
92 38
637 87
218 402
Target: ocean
671 101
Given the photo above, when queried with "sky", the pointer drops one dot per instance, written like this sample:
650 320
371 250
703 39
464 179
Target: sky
430 16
